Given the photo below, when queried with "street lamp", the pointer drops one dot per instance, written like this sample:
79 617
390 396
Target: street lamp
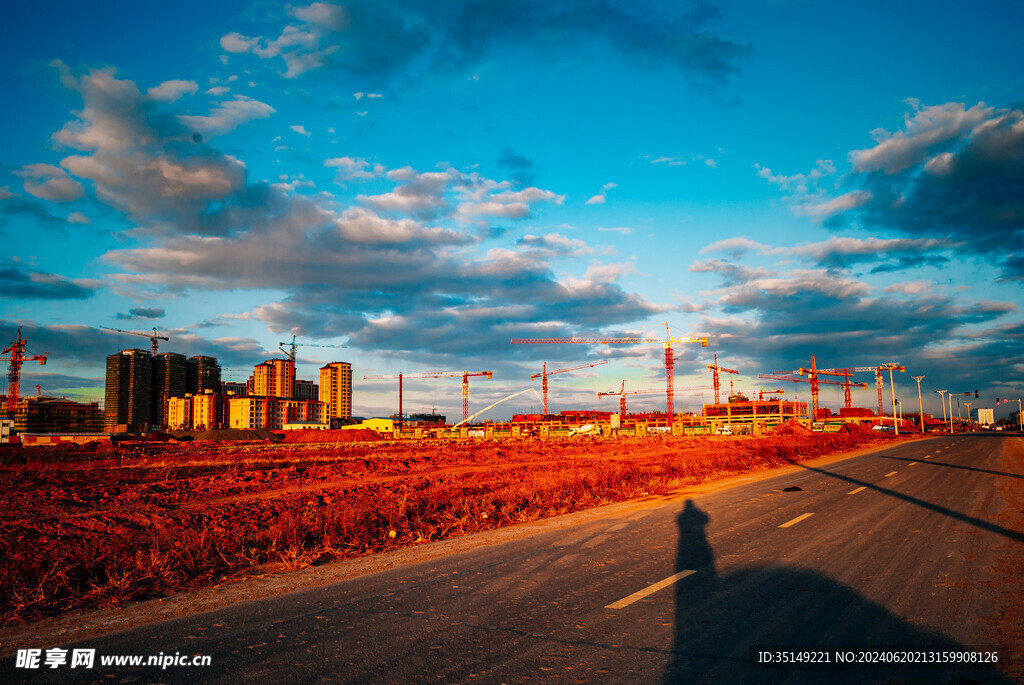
920 406
943 394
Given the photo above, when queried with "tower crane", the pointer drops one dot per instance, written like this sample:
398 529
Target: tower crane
715 369
877 370
669 358
292 345
760 393
545 373
813 374
622 392
153 337
812 378
434 374
18 357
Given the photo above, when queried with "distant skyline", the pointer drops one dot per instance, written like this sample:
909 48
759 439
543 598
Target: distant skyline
422 182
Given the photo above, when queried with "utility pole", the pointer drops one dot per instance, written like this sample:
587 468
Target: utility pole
892 388
920 405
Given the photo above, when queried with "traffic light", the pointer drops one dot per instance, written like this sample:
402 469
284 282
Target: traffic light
975 393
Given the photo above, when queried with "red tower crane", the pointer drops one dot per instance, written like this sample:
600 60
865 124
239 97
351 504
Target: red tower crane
760 393
435 374
623 392
153 337
545 373
715 369
890 366
667 342
812 378
18 357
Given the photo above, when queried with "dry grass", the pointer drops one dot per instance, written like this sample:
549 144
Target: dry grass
84 528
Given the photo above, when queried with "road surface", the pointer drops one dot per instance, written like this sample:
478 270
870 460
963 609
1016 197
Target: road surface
899 549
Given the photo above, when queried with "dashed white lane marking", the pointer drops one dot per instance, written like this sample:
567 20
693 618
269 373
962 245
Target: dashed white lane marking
797 520
594 542
891 474
649 590
913 463
618 526
860 489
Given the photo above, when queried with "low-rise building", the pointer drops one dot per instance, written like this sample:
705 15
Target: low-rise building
270 412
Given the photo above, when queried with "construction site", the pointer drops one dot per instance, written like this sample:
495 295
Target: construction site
151 391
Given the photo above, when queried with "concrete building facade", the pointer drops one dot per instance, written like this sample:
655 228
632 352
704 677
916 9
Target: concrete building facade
270 412
274 378
336 390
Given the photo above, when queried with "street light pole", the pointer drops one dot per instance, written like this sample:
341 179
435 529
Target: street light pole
950 413
920 406
892 389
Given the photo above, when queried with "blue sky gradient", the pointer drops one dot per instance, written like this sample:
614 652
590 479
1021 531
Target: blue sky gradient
422 182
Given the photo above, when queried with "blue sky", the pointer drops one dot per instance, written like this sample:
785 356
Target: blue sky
422 182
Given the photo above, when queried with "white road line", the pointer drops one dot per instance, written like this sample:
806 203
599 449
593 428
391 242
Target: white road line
890 474
618 526
649 590
860 489
594 542
797 520
913 463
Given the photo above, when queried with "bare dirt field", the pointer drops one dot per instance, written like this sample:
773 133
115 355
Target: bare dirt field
97 527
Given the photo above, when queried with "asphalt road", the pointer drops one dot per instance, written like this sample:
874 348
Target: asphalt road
894 550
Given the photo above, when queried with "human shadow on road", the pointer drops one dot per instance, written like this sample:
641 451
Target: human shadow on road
723 623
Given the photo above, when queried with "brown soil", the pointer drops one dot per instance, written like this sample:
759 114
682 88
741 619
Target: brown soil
99 526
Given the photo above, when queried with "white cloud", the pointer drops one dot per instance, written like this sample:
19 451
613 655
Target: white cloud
838 205
600 198
355 168
301 130
49 182
78 218
171 91
923 130
227 116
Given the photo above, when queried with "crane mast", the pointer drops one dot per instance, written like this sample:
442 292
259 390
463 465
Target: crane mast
632 340
545 373
435 374
18 357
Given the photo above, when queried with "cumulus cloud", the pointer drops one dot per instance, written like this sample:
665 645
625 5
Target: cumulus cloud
600 198
172 91
48 182
952 171
355 168
227 116
17 281
777 318
367 38
142 313
414 255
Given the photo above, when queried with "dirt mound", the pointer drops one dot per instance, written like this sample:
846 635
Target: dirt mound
236 434
792 427
313 435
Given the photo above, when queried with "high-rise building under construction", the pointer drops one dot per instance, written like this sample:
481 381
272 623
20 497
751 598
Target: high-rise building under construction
202 374
128 396
168 382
